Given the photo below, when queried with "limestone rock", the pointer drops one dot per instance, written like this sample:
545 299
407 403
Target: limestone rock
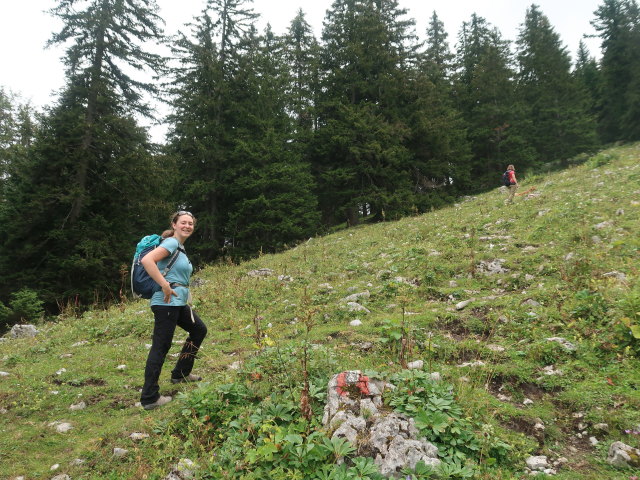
356 307
355 297
61 427
260 272
78 406
622 455
461 305
567 345
416 365
352 412
120 452
23 331
537 462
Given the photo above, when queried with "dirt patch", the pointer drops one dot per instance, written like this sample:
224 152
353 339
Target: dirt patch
455 327
511 386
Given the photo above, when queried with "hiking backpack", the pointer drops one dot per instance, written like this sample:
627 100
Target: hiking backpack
506 180
142 285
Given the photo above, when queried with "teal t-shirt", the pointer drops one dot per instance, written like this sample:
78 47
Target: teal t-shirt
179 273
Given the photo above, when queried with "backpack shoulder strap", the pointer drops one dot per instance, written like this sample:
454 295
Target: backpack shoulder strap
172 260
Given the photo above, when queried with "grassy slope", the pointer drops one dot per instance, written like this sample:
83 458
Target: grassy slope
547 244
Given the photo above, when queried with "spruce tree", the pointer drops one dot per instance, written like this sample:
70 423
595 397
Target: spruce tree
301 53
438 144
559 123
484 92
272 192
588 75
618 25
87 187
206 116
360 157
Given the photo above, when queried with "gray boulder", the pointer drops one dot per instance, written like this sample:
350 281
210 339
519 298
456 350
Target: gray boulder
352 412
23 331
622 455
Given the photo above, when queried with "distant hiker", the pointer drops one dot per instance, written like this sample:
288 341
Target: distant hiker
509 178
170 307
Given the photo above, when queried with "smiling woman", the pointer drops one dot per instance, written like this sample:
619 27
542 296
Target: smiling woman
171 307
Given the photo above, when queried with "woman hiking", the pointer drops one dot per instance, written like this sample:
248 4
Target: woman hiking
170 307
512 184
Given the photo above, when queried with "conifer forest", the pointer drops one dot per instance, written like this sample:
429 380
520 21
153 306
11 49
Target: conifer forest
276 137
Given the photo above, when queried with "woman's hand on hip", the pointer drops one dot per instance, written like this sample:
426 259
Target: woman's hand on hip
168 291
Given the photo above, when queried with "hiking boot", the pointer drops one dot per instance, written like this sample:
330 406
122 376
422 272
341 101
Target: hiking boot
158 403
189 378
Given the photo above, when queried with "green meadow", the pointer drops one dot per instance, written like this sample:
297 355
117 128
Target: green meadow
530 313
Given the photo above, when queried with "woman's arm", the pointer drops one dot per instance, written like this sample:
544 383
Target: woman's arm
150 264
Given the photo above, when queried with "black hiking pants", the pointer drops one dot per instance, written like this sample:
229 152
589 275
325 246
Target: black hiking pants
166 320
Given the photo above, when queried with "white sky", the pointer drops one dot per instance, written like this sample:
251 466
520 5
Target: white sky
36 74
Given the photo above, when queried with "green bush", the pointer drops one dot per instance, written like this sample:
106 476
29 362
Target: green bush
26 305
5 315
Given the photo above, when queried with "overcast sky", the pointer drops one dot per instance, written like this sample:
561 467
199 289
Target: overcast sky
36 74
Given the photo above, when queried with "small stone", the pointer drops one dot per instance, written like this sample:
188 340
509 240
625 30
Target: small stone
601 426
185 468
355 297
568 346
235 365
136 436
120 452
593 441
537 462
77 462
356 307
4 374
463 304
621 277
477 363
496 348
121 367
79 344
531 302
550 370
61 427
527 401
260 272
415 365
78 406
55 467
61 371
602 225
355 323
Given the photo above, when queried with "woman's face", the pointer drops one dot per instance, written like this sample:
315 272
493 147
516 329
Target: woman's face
183 226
